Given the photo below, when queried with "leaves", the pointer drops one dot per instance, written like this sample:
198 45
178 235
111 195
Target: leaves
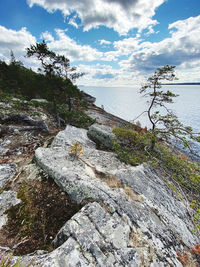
76 150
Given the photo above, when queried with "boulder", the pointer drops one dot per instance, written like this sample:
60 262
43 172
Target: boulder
71 135
102 135
7 199
7 172
129 217
39 100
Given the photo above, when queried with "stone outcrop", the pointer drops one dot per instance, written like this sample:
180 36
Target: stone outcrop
130 216
7 199
102 135
7 172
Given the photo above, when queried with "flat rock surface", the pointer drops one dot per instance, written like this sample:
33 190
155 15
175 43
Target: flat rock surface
131 219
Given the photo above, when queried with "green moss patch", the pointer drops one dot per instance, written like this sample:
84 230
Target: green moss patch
34 223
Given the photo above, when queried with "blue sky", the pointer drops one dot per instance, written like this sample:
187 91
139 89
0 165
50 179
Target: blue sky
115 42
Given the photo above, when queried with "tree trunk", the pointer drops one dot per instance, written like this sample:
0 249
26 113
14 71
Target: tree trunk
56 112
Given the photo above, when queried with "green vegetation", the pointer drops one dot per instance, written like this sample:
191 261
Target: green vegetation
76 150
6 260
182 175
131 145
58 72
18 85
37 219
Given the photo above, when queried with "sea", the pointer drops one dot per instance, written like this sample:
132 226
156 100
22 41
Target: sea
127 103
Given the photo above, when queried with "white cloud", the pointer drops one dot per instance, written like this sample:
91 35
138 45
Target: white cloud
47 36
68 47
127 45
17 41
72 22
104 42
121 15
180 49
106 75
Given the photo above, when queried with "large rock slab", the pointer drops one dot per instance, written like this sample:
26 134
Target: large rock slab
130 217
96 237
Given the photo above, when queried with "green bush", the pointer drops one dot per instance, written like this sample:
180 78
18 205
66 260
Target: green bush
131 145
76 118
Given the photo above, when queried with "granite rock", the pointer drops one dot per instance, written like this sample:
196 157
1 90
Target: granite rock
7 172
7 199
132 218
102 135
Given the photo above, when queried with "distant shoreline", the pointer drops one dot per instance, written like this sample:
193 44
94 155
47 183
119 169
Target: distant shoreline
181 83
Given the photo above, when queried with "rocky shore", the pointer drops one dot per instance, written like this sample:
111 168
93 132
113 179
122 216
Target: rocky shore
128 215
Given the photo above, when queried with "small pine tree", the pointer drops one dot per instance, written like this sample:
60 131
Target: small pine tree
167 125
57 69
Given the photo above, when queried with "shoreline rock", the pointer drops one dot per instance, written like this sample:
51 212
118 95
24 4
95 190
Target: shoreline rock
157 219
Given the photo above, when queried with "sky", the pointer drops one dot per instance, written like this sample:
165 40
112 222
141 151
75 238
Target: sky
114 42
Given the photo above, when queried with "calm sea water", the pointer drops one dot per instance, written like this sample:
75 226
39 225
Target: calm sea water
127 103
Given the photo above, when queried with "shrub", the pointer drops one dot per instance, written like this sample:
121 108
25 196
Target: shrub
131 145
76 150
76 118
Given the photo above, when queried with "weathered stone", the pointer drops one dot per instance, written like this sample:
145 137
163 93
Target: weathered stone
126 230
102 135
129 217
3 145
7 172
40 100
159 197
7 199
70 135
103 117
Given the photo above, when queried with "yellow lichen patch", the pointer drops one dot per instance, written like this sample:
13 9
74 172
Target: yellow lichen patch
112 181
132 194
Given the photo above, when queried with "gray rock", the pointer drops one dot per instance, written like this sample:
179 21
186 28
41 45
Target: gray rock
3 145
40 100
160 198
7 172
7 199
132 218
102 135
70 135
88 98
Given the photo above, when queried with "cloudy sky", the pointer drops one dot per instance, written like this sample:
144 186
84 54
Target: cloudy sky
115 42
